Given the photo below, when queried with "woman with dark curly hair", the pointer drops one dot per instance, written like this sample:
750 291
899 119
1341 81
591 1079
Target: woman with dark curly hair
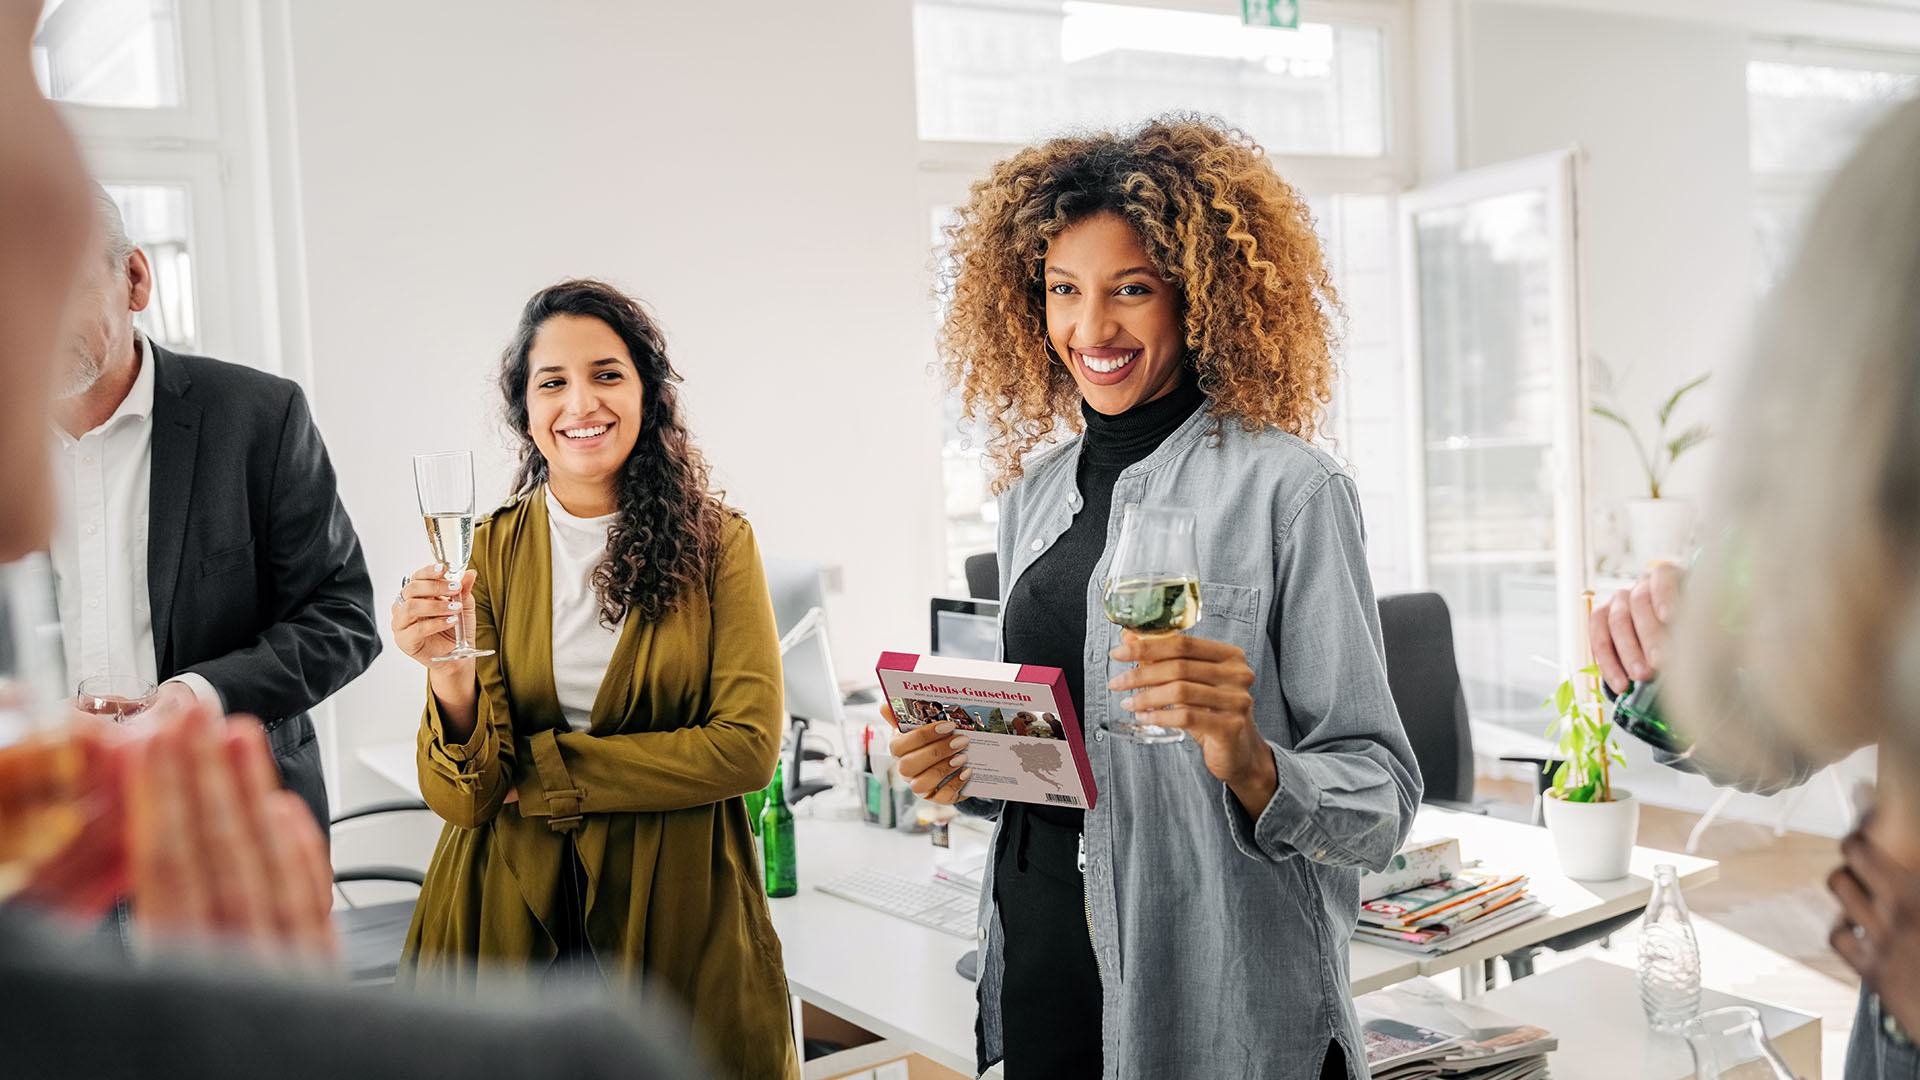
1162 293
591 770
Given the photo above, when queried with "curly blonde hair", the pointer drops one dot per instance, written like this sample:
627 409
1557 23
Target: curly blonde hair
1237 241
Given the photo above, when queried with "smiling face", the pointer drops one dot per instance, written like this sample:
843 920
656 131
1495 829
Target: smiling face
1112 319
584 403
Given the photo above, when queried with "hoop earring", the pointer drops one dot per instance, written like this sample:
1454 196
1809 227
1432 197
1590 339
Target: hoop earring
1052 356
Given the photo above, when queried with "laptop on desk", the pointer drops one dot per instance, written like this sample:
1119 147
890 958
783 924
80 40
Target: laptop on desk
969 629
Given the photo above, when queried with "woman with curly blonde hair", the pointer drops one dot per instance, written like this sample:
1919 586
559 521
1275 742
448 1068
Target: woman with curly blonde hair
1161 293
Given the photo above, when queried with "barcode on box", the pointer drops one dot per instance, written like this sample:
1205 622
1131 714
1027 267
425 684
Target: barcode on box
1056 797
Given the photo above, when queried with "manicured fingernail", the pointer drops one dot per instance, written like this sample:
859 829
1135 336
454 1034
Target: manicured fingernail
966 772
439 567
454 606
958 760
943 727
1113 684
1127 704
958 741
451 619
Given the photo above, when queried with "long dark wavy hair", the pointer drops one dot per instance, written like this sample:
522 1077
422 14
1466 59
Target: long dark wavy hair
667 535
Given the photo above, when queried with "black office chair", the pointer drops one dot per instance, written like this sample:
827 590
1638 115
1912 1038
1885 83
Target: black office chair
371 936
1424 679
983 576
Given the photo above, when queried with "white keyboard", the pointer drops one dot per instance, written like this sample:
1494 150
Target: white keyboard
936 905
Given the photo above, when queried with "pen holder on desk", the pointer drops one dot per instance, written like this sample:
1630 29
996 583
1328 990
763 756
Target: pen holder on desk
906 809
877 804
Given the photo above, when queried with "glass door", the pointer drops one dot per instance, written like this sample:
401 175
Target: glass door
1499 409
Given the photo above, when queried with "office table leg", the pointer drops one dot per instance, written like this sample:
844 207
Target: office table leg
799 1033
1474 979
1713 814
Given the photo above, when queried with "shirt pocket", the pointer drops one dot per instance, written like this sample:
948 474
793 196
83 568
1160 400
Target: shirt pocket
1230 614
228 561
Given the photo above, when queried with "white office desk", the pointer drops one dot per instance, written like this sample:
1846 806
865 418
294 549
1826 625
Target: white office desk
897 979
394 762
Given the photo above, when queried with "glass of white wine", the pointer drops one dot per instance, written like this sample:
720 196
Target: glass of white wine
43 797
444 483
1153 589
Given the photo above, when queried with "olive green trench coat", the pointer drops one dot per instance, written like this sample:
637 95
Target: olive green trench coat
687 721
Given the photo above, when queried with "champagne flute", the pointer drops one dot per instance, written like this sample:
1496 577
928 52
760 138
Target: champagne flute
444 483
43 798
1153 589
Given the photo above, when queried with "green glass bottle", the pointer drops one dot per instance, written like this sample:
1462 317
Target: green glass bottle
756 802
1638 713
776 839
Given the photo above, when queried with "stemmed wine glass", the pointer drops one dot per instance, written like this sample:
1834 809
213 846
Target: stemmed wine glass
444 483
1153 589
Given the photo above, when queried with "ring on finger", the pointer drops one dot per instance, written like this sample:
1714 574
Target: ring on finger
401 597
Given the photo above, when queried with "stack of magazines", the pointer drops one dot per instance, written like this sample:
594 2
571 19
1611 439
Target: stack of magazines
1446 915
1413 1031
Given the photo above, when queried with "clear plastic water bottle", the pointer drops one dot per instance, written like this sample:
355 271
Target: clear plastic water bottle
1669 956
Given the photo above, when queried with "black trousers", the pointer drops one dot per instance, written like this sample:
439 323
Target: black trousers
1050 998
575 963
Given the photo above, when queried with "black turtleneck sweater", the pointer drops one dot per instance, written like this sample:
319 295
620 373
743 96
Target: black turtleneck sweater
1046 614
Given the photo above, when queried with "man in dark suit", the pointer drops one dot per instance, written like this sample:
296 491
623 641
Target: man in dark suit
201 542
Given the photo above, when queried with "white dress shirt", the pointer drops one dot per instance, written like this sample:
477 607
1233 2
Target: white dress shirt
582 647
99 549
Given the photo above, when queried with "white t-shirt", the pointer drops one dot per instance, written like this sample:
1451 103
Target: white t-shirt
582 647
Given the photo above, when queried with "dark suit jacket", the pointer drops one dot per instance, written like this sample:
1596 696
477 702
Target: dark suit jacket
255 575
68 1011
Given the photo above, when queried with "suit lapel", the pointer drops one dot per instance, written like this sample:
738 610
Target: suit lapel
176 442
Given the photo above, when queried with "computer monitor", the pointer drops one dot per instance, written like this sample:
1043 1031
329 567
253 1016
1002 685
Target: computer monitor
799 595
966 628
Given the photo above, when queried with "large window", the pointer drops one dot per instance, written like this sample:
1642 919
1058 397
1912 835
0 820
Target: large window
1325 101
1807 109
115 53
136 81
1008 70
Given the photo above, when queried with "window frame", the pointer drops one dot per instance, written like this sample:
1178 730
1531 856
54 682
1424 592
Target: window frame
197 119
206 145
1799 189
948 168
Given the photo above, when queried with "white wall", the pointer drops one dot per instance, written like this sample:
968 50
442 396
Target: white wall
1665 216
750 173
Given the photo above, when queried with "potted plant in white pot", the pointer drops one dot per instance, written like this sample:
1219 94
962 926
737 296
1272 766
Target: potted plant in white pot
1593 822
1660 526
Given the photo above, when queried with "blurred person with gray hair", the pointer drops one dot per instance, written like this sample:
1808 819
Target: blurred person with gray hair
201 542
1795 637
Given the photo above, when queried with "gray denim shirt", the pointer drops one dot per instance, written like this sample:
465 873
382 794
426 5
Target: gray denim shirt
1222 940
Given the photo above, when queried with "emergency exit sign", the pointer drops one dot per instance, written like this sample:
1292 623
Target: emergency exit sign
1284 14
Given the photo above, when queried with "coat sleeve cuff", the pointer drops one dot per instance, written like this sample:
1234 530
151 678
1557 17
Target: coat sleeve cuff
477 751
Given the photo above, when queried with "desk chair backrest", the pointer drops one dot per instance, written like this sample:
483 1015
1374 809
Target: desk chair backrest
983 576
1425 681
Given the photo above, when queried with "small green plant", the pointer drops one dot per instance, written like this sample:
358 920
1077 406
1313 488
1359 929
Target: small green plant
1664 451
1586 739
